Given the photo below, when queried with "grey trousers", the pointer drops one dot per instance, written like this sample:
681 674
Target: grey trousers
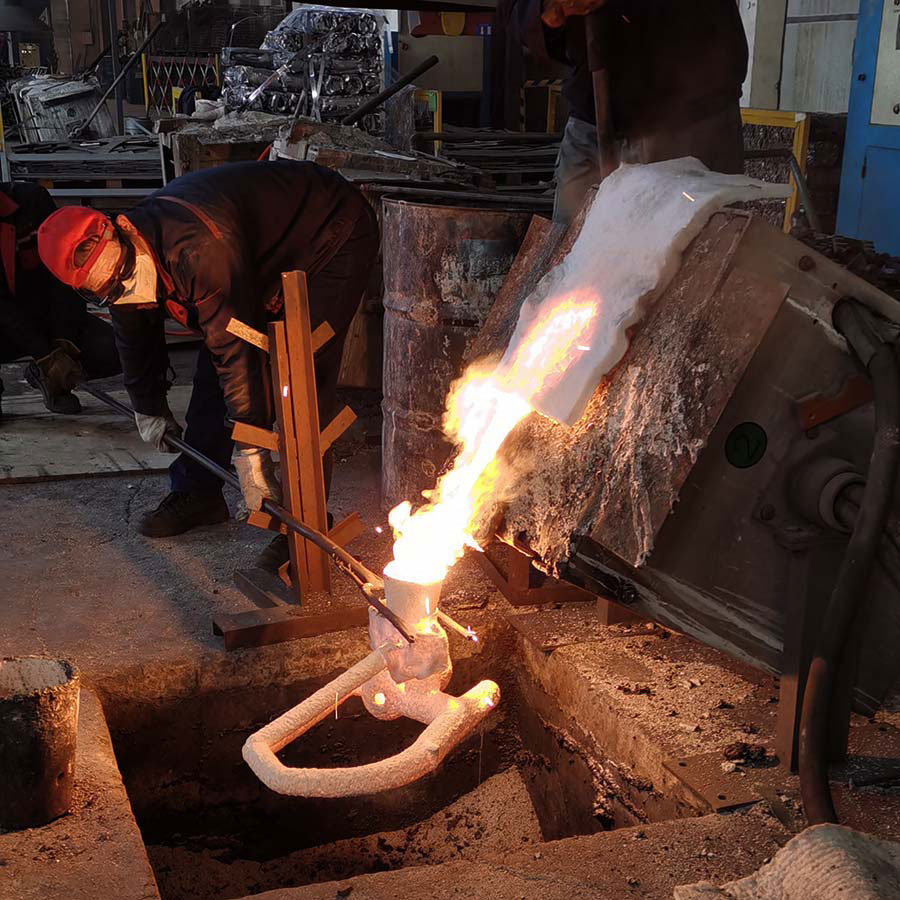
716 141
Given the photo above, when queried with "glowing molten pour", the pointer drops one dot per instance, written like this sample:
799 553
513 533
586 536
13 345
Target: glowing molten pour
482 409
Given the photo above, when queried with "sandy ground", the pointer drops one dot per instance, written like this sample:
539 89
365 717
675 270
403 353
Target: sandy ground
495 819
135 615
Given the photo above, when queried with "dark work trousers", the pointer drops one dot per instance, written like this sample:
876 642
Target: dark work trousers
334 295
42 311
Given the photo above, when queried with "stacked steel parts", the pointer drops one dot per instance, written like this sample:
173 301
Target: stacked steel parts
326 62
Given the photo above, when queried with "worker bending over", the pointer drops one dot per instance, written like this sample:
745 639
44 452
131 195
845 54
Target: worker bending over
42 320
209 247
675 70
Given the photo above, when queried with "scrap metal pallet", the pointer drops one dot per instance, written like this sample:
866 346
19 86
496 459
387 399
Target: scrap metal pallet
120 167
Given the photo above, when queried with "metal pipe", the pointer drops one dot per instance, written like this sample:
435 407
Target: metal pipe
880 360
506 199
114 59
389 92
798 176
473 135
115 85
371 585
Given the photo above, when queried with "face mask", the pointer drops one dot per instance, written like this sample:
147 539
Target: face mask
140 288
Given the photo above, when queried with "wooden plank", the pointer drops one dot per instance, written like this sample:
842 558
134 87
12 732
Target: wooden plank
248 334
255 437
347 529
259 627
262 588
290 468
303 397
336 427
774 118
259 519
321 336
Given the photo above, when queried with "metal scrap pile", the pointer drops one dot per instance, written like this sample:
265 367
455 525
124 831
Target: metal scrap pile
50 107
332 60
860 257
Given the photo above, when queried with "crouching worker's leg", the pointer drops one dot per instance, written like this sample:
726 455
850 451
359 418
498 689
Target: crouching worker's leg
196 495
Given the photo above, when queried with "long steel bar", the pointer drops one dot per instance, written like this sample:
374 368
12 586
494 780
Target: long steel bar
799 179
505 199
371 585
389 91
116 74
474 135
118 79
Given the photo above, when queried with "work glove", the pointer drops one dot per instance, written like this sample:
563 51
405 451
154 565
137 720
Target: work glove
155 429
555 12
256 473
60 370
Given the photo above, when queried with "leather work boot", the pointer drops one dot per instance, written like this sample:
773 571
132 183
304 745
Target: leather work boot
181 511
276 553
57 401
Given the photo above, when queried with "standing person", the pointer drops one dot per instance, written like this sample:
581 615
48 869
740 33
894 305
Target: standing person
210 246
675 71
40 319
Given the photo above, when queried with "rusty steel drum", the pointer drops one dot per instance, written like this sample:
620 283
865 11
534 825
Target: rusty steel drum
38 734
443 266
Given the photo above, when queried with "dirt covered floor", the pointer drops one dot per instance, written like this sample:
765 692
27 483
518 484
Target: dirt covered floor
572 788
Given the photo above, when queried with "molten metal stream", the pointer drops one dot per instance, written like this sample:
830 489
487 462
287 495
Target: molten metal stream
483 408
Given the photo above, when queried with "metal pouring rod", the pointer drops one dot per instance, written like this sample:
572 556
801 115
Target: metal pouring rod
371 585
118 80
389 92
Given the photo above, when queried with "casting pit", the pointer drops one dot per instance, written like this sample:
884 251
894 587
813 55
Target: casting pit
212 830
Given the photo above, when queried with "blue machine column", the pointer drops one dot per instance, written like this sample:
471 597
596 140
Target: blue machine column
869 203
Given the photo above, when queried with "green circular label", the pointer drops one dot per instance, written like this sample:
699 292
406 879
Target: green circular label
746 445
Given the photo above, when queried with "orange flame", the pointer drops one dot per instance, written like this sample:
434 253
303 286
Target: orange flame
482 409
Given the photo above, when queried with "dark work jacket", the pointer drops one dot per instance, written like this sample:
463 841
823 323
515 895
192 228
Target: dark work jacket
221 239
23 206
670 62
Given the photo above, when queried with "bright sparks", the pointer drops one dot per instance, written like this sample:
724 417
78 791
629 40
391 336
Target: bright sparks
482 409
